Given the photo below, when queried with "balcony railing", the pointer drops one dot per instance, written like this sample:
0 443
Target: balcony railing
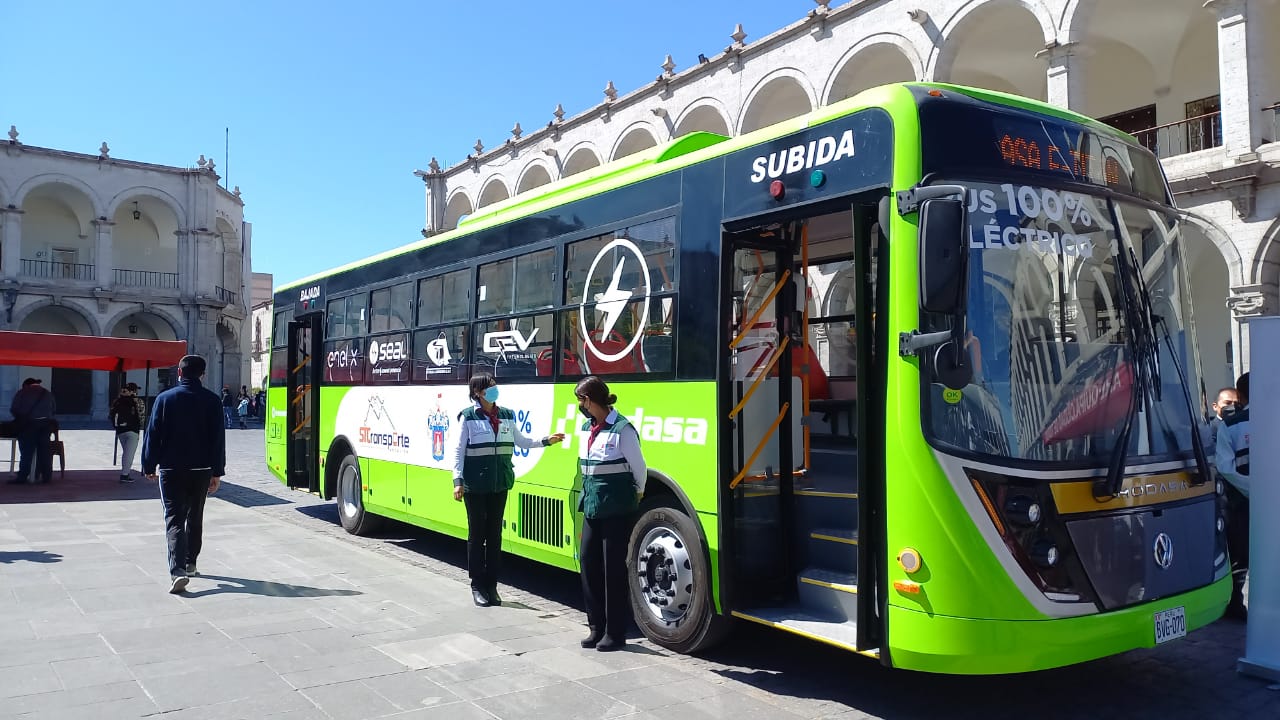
146 278
1182 137
224 295
57 270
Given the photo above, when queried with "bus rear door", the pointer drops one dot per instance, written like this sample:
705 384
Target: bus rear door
304 373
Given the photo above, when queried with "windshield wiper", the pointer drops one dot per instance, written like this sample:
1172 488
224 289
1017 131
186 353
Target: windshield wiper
1141 368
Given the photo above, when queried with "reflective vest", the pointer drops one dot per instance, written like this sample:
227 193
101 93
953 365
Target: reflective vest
608 487
487 467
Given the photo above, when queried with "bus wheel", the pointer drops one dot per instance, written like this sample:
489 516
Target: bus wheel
671 586
355 519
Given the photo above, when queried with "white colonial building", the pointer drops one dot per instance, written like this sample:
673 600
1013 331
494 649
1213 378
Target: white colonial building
1195 81
260 318
94 245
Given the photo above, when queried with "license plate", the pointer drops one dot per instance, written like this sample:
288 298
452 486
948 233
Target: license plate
1171 624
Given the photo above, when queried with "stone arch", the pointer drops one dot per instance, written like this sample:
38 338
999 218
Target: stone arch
1265 268
161 324
226 360
705 114
1214 267
535 174
1010 62
781 95
874 60
636 137
161 197
457 207
95 203
581 157
1076 15
72 315
492 191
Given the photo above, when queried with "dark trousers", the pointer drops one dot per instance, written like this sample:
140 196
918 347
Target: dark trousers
1237 541
604 573
227 412
34 444
484 537
183 493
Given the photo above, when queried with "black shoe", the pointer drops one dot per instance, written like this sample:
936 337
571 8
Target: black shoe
17 481
479 597
126 478
592 639
609 643
494 598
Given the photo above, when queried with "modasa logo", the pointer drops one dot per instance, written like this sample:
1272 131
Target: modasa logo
652 428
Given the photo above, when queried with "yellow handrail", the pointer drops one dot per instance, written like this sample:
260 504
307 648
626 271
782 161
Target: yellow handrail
804 324
763 374
760 310
764 440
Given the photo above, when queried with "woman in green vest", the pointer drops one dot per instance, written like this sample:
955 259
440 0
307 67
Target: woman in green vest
482 475
613 475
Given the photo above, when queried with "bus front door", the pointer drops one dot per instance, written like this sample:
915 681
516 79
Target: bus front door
764 415
302 455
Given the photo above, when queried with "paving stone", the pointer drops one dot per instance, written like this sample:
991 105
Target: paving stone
30 679
85 672
410 690
561 701
350 701
175 692
446 650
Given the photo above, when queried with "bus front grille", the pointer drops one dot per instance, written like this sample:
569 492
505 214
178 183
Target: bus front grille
542 520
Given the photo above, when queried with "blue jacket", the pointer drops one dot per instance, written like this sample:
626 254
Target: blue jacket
186 431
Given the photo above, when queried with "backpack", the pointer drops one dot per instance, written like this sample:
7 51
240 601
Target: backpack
244 406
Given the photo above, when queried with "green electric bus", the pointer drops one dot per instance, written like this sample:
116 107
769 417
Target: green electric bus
913 376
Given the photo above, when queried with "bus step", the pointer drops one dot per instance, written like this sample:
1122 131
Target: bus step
833 549
797 620
829 593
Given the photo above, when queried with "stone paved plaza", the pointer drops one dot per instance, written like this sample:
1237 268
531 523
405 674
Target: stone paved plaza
293 618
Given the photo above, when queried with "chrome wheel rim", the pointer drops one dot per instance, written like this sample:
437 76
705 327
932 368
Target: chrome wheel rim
349 490
664 572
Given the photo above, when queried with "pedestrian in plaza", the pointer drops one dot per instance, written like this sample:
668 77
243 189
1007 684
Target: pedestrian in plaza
242 410
1232 460
1224 404
185 447
482 475
126 415
613 476
32 410
260 404
228 405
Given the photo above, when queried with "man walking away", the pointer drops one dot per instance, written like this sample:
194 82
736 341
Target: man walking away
32 410
126 417
1232 460
186 444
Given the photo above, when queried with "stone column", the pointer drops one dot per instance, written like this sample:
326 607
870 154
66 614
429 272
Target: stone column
1241 68
104 269
1245 301
186 263
1064 86
11 253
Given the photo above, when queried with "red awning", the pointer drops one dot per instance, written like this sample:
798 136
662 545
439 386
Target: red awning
87 352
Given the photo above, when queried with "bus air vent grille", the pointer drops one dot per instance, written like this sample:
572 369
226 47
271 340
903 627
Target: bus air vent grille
541 520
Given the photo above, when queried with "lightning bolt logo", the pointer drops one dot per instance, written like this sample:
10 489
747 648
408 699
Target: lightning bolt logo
612 301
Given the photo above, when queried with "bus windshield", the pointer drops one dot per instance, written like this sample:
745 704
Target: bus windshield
1078 322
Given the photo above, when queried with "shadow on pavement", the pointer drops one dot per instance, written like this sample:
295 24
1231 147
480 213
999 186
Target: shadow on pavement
247 496
80 486
244 586
35 556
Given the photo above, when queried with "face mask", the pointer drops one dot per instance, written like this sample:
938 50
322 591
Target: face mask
491 394
583 409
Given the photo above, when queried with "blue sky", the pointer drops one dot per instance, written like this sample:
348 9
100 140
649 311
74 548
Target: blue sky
331 106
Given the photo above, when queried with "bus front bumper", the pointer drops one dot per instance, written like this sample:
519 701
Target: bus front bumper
967 646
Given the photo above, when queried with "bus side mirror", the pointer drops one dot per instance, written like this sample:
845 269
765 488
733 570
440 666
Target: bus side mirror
944 257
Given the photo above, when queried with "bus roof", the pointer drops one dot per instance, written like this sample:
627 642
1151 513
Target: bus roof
688 150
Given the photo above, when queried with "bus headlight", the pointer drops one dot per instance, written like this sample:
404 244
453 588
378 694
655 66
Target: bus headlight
1022 510
1044 553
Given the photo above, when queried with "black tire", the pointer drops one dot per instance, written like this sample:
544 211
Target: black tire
671 579
350 497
